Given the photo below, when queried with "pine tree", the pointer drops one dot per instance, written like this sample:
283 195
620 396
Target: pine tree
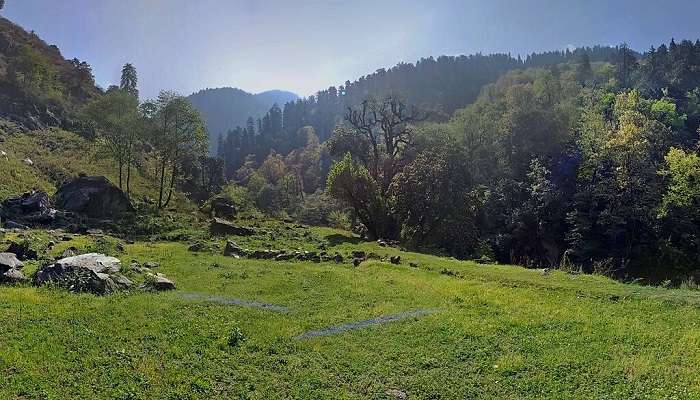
129 80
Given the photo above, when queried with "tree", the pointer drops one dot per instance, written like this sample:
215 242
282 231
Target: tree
2 4
129 80
177 132
116 116
353 185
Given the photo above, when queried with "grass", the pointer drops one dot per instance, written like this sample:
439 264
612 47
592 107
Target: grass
500 332
59 155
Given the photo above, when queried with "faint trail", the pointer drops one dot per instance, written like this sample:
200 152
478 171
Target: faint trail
235 302
362 324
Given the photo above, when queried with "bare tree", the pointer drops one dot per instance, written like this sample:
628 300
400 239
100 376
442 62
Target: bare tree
387 125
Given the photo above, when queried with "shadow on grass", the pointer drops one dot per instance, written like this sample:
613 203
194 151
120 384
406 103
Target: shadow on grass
337 239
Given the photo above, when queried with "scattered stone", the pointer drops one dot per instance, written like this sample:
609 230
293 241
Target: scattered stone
30 207
23 251
13 276
233 250
395 260
356 262
28 161
158 282
120 247
362 324
413 265
222 227
93 273
396 394
15 225
151 265
10 269
545 271
9 261
223 208
69 252
94 196
359 254
95 232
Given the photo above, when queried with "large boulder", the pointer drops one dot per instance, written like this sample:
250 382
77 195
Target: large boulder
220 226
11 269
94 196
93 273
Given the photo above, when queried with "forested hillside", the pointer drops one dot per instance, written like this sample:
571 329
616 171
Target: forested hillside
439 86
587 165
38 87
225 108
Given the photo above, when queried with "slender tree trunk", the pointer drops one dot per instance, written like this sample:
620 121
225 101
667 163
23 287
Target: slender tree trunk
172 185
162 184
128 172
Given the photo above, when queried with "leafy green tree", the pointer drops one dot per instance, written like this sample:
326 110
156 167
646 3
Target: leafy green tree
177 132
353 185
116 116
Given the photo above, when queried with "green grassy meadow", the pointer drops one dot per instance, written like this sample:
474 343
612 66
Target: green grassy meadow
499 332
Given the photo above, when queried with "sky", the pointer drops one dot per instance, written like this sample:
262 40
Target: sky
307 45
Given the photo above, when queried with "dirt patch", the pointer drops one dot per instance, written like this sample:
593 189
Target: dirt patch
334 330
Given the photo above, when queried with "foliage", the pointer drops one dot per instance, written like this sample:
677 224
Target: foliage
353 185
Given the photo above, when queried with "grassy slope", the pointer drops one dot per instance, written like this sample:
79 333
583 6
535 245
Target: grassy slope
501 332
59 155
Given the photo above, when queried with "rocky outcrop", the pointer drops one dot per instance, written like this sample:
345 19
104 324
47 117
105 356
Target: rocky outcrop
93 273
11 269
93 196
222 227
222 207
29 208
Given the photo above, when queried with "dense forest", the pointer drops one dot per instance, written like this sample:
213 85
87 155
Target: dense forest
583 165
440 86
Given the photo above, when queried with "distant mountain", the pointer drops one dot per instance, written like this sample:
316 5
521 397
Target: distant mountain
225 108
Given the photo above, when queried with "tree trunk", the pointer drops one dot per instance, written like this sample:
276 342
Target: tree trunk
172 185
162 184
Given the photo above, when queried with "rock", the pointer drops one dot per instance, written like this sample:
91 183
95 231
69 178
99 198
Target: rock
233 250
220 226
158 282
93 273
151 265
30 207
395 260
10 269
356 262
22 250
223 208
95 232
28 161
69 252
413 265
359 254
545 271
13 276
338 258
94 196
396 394
9 261
15 225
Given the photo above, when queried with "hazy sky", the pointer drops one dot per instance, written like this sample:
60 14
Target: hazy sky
307 45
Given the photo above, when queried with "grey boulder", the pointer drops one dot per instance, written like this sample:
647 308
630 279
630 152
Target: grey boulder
92 273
